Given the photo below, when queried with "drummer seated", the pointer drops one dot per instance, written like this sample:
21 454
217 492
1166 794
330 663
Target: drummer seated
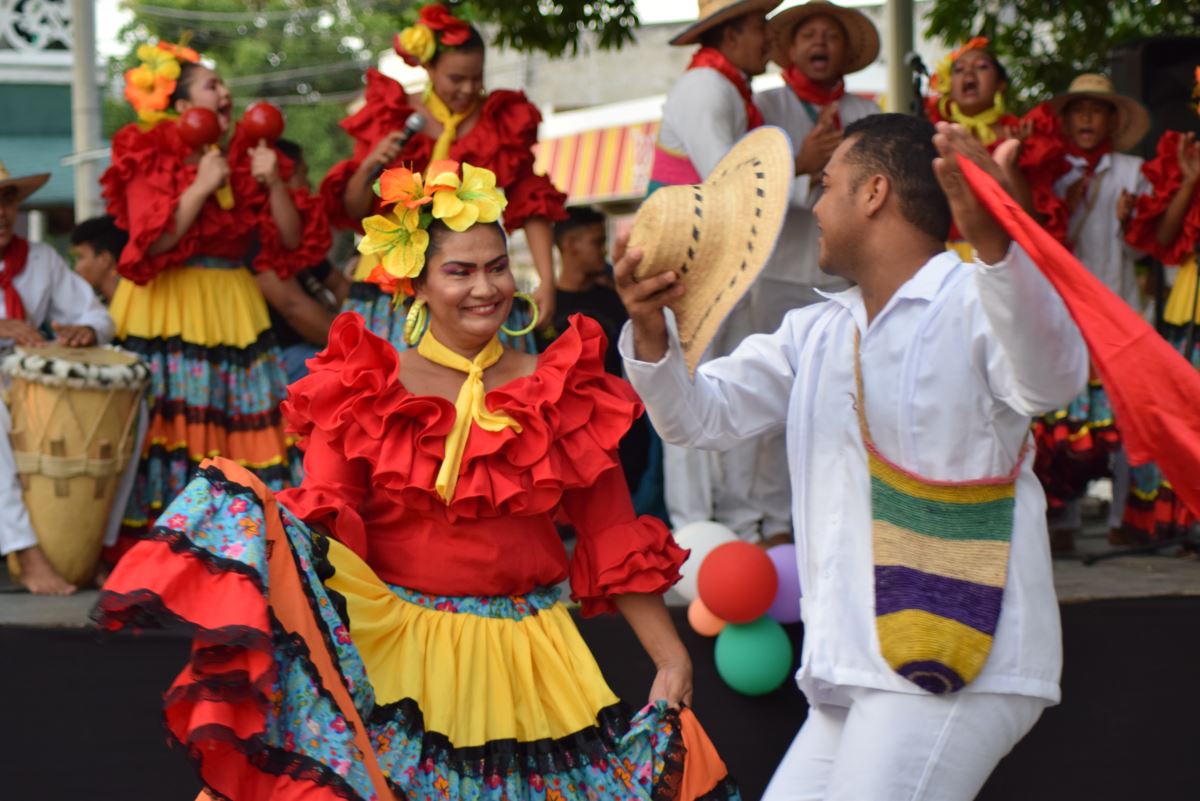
38 293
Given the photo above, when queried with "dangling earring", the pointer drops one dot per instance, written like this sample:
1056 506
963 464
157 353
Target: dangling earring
533 310
415 321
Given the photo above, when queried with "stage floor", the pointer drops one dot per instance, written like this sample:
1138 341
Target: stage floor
82 715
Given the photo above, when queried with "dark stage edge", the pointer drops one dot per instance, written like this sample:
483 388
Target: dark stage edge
81 711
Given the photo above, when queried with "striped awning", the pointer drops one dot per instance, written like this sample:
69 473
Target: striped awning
600 165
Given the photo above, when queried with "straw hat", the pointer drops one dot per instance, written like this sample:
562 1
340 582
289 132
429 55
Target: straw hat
25 186
1133 121
717 235
713 12
862 39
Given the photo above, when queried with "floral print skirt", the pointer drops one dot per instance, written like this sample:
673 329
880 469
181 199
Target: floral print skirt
312 678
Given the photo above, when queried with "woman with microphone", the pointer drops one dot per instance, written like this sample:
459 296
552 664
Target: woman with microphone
461 121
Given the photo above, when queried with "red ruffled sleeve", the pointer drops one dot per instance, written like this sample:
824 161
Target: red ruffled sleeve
1164 175
324 408
502 140
332 191
1043 160
315 237
617 552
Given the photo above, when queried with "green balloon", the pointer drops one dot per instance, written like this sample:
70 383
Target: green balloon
754 658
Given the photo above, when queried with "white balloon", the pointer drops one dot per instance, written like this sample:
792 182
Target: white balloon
700 538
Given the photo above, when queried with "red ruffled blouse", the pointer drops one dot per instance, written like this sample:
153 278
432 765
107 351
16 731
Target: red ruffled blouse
372 450
1164 175
142 188
1043 161
501 140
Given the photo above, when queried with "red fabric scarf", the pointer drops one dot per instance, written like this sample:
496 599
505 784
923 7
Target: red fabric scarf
813 93
1152 387
715 59
14 265
1092 157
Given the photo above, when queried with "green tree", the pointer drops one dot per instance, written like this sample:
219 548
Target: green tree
1045 43
309 56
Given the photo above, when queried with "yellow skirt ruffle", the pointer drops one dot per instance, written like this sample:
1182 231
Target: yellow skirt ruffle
185 301
478 676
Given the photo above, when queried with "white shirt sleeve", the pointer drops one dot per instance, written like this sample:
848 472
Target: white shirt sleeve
72 301
1040 361
707 117
731 399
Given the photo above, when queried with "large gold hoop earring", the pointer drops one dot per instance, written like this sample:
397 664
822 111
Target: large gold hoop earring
534 311
415 322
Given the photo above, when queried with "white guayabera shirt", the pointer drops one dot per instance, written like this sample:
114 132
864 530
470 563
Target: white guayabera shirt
954 367
52 292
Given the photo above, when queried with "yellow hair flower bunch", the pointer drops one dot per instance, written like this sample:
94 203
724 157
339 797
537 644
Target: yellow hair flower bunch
458 195
149 85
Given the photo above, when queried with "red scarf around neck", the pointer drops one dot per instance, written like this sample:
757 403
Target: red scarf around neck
1092 157
811 92
14 265
715 59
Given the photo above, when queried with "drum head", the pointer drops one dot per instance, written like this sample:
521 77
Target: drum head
101 357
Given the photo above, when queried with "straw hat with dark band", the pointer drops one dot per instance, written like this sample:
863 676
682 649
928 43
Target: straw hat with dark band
717 235
26 186
862 40
713 12
1133 121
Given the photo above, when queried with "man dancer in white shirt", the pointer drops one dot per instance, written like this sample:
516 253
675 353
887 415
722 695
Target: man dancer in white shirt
955 359
37 288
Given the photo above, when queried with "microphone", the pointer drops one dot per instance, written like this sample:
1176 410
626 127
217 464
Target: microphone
412 127
913 61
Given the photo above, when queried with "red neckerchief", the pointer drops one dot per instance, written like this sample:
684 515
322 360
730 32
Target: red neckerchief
1092 157
813 94
14 265
715 59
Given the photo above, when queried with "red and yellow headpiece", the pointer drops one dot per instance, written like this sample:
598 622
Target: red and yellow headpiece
149 85
436 27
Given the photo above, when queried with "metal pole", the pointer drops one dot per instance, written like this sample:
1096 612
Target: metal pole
899 42
85 107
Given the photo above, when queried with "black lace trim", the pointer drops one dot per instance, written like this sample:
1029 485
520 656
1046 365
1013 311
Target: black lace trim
159 348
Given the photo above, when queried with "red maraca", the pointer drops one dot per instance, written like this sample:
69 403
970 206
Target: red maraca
200 129
263 121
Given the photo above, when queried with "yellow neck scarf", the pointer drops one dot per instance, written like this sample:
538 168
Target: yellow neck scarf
449 120
979 125
469 406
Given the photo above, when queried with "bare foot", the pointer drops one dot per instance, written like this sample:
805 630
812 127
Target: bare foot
39 576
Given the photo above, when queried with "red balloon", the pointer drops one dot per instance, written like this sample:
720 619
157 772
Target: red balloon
263 121
199 127
737 582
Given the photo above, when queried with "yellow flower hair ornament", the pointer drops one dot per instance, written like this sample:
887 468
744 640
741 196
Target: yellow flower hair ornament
458 195
149 85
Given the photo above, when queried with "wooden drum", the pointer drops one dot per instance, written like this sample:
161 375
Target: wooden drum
74 426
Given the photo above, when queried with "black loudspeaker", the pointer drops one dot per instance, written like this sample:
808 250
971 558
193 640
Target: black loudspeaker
1160 72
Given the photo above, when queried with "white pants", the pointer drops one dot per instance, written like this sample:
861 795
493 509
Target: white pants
889 746
16 532
746 488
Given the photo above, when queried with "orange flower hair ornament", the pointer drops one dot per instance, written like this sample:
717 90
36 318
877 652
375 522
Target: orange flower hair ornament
149 85
457 195
435 27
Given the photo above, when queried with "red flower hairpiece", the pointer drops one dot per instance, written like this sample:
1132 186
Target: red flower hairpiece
453 31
